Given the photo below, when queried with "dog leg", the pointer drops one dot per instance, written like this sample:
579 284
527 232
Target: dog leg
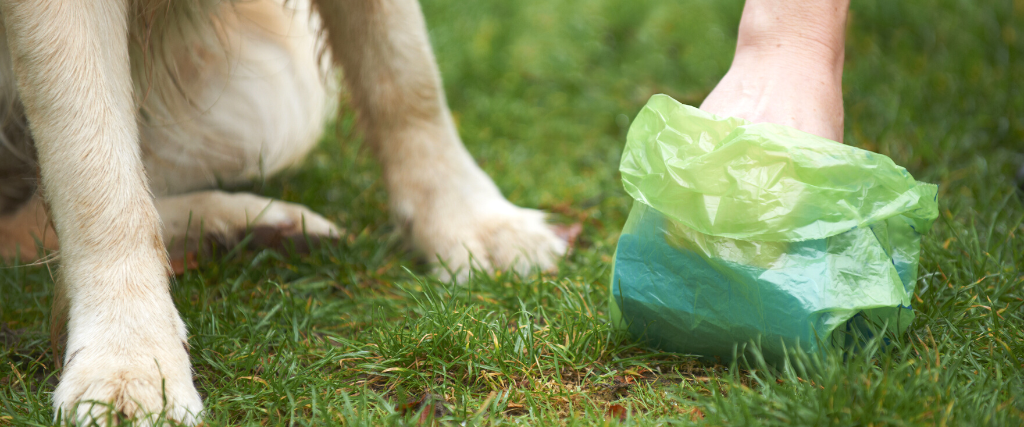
126 348
189 220
453 210
225 218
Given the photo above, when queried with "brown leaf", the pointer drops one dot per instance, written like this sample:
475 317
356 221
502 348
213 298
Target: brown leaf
426 414
410 405
514 409
255 379
568 233
696 414
616 411
180 265
625 380
429 406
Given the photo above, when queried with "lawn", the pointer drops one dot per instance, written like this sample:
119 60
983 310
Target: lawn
358 333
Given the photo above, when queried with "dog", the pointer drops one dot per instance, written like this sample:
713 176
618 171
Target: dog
131 112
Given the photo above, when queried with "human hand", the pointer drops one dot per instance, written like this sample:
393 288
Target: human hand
788 67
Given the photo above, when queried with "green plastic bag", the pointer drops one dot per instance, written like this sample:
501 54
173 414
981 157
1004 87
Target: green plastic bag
745 232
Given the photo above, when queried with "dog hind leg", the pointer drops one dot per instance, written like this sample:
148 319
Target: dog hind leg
126 347
256 104
451 208
192 220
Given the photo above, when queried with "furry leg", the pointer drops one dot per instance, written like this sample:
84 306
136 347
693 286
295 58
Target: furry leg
191 220
126 350
452 209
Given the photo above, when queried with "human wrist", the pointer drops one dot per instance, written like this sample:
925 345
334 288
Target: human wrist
802 33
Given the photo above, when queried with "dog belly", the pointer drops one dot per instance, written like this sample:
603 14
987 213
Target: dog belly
233 109
257 102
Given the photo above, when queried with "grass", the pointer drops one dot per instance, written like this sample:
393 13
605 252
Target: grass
359 333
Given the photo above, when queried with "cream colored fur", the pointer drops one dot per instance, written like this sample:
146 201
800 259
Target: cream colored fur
131 98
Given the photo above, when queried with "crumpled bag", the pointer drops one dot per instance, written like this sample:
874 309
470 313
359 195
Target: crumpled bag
745 232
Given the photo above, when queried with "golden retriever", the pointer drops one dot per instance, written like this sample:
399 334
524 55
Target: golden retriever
130 112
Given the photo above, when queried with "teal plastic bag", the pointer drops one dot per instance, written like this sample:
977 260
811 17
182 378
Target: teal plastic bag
745 232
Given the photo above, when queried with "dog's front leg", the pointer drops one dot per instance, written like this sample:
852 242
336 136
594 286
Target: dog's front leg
126 345
452 208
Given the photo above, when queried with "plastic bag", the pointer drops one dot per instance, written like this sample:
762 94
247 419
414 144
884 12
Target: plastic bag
745 232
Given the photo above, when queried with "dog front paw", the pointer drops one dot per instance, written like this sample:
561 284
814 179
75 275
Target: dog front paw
150 384
500 236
